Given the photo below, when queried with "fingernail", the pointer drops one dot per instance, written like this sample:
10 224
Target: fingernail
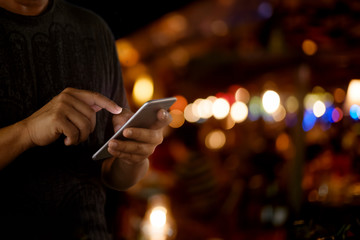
112 144
127 132
164 115
67 141
118 109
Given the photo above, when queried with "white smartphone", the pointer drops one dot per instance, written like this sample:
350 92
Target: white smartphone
144 117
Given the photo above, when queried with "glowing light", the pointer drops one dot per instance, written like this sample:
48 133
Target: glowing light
127 54
242 95
158 217
143 89
270 101
355 112
309 121
339 95
309 47
204 108
180 103
189 114
279 114
229 123
352 96
319 109
254 108
337 114
239 112
220 108
265 10
282 142
219 28
323 190
215 139
292 104
176 22
310 100
177 118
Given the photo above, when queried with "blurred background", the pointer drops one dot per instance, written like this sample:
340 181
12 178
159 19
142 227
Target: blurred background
264 142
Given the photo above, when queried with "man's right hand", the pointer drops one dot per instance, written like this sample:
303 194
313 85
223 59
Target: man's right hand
71 113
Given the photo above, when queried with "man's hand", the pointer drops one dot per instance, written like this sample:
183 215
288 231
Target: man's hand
130 162
141 142
72 113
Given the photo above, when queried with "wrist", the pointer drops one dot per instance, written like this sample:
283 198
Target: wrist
24 135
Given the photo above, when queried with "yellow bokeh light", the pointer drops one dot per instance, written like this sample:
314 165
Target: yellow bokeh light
353 96
309 47
229 123
127 54
220 108
319 108
310 100
279 114
271 101
239 112
242 95
143 89
177 118
158 217
189 114
204 108
216 139
292 104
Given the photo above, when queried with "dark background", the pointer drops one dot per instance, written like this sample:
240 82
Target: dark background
125 17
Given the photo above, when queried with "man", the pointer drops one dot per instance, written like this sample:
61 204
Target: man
58 72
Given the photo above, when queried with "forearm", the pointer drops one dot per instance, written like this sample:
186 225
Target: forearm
14 140
120 175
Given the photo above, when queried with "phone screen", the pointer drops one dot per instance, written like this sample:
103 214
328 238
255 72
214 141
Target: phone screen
142 118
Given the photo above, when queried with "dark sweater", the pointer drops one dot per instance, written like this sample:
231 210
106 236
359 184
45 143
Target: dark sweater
54 191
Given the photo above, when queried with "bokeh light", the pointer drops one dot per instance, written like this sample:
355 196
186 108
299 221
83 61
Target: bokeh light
282 142
178 118
158 217
180 104
242 95
319 108
189 114
219 28
337 115
265 10
204 108
279 114
143 89
215 139
239 112
309 47
292 104
271 101
127 54
339 95
355 112
220 108
254 108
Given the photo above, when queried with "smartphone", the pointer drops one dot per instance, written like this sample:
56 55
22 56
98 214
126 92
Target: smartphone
144 117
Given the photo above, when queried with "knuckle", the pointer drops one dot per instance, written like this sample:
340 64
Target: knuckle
68 89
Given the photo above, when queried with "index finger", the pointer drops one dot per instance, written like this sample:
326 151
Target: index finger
95 100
